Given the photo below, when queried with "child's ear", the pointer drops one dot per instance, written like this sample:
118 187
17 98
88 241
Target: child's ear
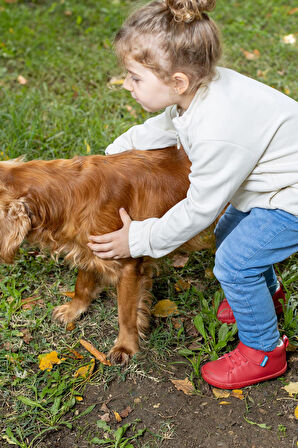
180 82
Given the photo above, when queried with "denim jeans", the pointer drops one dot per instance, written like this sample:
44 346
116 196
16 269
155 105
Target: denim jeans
248 244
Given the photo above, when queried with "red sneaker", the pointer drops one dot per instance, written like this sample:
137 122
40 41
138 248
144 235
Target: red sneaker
245 366
225 313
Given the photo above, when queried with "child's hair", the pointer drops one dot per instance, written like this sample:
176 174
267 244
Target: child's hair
172 36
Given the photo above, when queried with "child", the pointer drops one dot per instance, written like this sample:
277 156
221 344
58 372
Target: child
241 138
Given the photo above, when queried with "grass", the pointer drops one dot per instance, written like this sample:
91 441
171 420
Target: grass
64 51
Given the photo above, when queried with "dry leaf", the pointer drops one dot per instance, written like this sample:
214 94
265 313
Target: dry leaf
76 355
209 273
30 302
296 412
97 354
79 398
290 39
137 400
251 56
117 417
125 412
164 308
70 326
291 388
220 393
179 261
224 402
237 393
293 11
86 371
182 285
105 417
47 360
185 385
70 294
104 408
27 337
22 80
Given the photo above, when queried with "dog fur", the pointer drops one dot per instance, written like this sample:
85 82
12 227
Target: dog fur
57 204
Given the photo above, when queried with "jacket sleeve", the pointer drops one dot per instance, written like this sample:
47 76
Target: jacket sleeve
156 132
218 169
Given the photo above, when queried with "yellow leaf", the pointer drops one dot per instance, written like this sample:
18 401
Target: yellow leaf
88 149
86 371
117 417
179 261
291 388
182 285
237 393
22 80
70 326
185 385
79 398
296 412
224 402
165 308
290 39
220 393
116 81
47 360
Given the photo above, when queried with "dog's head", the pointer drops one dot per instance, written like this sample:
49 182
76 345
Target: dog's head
15 223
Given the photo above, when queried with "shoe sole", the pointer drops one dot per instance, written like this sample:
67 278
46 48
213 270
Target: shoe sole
246 383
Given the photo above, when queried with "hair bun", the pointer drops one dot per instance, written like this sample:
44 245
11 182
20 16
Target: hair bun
189 10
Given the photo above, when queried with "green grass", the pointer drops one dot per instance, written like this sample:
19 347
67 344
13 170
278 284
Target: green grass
64 50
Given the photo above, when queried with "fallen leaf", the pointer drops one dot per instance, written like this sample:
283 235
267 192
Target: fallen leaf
85 371
79 398
125 412
291 388
185 385
224 402
179 261
22 80
209 273
137 400
220 393
104 408
290 39
30 302
237 393
117 417
251 56
76 355
70 294
47 360
182 285
27 337
97 354
88 149
105 417
156 406
293 11
70 326
164 308
296 412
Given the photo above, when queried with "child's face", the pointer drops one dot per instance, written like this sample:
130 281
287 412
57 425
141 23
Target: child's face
147 89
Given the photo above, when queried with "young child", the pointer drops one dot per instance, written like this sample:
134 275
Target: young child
241 138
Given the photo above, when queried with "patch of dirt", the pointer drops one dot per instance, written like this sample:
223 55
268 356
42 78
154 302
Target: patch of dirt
197 421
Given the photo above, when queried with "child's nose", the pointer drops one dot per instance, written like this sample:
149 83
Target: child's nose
127 83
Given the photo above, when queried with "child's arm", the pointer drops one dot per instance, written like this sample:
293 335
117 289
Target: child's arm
155 133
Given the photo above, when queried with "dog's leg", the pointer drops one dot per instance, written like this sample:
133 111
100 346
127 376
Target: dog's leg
86 289
133 310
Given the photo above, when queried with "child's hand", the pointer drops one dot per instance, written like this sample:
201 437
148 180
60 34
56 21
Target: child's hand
115 244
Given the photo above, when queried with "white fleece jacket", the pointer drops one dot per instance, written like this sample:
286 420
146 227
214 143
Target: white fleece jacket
241 137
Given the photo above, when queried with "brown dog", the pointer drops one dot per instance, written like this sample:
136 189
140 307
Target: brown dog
56 204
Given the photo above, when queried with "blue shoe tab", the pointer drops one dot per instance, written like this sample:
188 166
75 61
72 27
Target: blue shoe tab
264 362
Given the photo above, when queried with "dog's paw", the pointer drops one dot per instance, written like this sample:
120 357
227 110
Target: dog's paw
121 355
68 312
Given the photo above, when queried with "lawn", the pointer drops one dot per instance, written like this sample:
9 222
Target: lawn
59 98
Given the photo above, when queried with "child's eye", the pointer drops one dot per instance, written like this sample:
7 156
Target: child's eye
134 79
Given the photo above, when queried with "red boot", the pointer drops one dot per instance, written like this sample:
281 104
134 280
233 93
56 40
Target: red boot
245 366
225 313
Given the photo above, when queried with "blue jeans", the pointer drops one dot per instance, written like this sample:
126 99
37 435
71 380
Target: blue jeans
248 245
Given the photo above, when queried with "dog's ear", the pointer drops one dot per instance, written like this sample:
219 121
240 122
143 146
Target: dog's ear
15 223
